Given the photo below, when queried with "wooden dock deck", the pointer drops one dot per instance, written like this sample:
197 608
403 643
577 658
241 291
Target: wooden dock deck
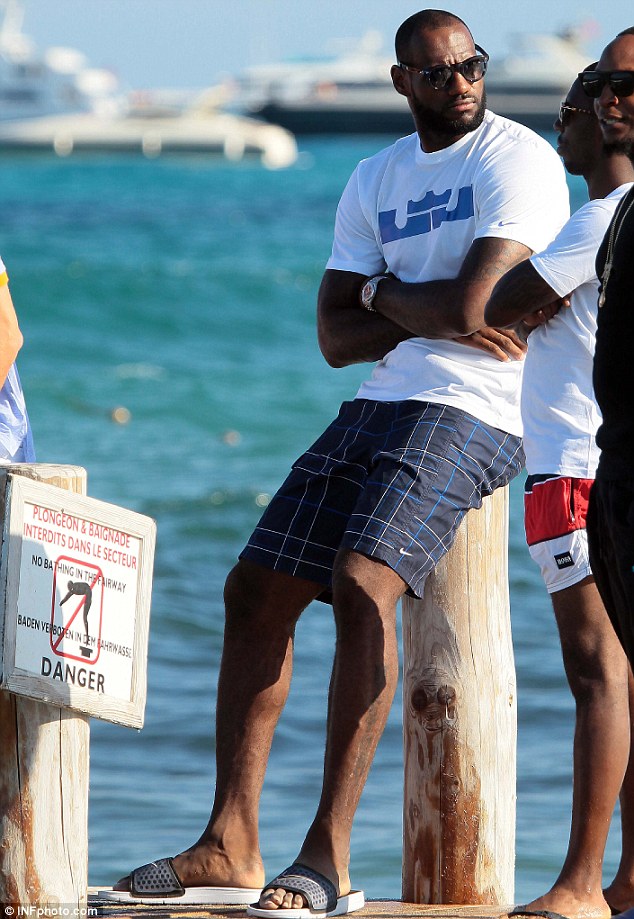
373 909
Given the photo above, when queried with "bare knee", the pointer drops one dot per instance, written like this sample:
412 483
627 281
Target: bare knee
259 600
365 594
594 671
365 617
594 660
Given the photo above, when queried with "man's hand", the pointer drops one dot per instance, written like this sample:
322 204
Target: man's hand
545 313
503 344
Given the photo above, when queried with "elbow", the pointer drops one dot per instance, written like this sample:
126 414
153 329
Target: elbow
504 306
18 341
332 354
496 316
496 309
465 328
336 362
14 342
332 344
493 316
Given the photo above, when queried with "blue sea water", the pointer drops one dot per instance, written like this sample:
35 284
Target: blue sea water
184 289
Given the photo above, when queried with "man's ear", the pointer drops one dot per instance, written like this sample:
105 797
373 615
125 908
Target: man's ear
400 80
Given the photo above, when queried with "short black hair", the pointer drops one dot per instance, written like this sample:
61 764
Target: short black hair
420 22
629 31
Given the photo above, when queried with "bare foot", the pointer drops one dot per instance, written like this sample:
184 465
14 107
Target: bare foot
274 898
619 896
204 866
277 898
566 903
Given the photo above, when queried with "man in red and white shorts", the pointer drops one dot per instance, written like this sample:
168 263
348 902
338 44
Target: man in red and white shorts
560 418
555 511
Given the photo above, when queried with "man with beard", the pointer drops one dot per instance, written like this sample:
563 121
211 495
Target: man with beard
560 422
423 231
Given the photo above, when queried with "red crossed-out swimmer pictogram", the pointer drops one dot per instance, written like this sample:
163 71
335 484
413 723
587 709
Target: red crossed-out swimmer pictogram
81 586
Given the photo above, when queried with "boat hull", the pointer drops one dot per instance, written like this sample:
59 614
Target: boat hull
218 133
535 110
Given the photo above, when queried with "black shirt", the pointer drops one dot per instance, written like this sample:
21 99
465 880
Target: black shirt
613 373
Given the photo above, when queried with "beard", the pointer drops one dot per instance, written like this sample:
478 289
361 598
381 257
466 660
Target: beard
620 148
431 120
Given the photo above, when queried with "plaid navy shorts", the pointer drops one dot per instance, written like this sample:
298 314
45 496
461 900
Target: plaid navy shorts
390 480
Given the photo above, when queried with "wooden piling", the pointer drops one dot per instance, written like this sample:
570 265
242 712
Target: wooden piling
44 762
460 722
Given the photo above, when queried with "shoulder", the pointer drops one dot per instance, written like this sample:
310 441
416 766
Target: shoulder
512 160
578 240
512 133
401 151
593 217
502 137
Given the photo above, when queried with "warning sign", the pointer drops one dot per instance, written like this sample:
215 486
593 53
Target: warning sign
78 580
85 589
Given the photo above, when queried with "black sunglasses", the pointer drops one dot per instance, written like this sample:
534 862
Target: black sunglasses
566 110
440 76
621 82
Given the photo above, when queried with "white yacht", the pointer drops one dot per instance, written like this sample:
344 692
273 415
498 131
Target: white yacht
57 81
352 92
54 101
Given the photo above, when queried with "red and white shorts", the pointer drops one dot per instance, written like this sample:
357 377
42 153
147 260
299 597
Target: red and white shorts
555 511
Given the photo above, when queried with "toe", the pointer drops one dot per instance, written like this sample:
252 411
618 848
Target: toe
271 898
279 898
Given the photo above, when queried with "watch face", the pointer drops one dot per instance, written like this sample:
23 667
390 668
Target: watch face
368 291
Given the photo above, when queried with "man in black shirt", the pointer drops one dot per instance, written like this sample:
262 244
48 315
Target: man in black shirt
610 521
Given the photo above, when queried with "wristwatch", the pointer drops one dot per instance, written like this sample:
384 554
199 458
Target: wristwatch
368 291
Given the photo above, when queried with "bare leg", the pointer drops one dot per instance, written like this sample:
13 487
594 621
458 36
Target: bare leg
262 610
362 687
596 668
620 893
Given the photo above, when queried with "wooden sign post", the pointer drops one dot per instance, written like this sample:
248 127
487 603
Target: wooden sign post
460 722
75 579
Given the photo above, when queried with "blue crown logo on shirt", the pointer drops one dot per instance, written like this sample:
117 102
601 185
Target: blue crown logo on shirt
427 214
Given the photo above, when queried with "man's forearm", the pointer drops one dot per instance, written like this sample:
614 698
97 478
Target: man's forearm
519 294
448 308
434 309
348 333
356 336
451 307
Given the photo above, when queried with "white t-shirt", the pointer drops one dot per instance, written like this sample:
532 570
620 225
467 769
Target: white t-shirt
559 410
416 214
16 440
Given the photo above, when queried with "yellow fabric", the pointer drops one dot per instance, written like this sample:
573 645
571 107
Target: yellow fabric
4 279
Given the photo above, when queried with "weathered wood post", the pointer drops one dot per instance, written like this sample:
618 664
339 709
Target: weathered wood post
44 758
460 722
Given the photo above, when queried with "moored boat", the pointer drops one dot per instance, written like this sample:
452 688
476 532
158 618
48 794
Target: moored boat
54 101
352 93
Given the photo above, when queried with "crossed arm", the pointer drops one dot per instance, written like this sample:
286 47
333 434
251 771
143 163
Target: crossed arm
452 308
522 296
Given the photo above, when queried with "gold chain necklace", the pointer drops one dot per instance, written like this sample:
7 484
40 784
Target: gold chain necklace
619 220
